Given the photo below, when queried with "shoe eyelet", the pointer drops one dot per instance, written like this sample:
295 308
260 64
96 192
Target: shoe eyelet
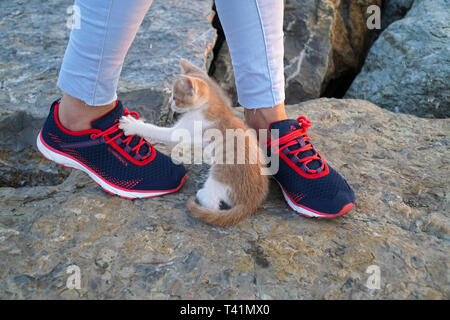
93 136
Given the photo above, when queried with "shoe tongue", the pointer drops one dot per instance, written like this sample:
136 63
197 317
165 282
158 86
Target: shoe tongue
287 126
108 119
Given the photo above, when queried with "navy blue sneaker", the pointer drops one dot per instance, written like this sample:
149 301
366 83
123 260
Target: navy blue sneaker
128 166
310 186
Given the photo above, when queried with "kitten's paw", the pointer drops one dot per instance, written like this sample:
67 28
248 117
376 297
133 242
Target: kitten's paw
129 125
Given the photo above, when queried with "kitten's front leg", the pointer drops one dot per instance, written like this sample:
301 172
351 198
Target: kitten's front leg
132 126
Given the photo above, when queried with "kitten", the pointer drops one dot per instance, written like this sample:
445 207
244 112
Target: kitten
240 187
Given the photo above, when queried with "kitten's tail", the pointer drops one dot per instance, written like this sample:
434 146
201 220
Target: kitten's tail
223 218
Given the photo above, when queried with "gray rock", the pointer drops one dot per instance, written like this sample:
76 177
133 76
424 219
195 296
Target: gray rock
408 67
394 10
32 52
325 45
155 249
324 41
224 74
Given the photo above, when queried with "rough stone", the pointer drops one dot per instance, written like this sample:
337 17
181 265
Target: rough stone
155 249
224 74
394 10
408 67
325 45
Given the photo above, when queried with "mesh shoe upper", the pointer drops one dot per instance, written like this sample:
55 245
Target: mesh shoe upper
303 174
130 163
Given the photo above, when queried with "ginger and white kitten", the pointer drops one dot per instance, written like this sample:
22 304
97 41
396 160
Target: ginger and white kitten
241 187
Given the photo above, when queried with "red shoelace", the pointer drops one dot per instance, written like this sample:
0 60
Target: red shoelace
290 139
115 127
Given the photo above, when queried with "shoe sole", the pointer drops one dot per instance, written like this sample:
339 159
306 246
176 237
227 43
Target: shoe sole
309 213
70 162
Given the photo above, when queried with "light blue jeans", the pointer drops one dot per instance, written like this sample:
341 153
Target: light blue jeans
253 29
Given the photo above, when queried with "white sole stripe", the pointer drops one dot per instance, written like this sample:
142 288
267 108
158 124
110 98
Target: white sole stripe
68 162
298 208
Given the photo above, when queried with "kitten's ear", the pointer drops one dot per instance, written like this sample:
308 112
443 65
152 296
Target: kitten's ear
186 86
189 67
191 86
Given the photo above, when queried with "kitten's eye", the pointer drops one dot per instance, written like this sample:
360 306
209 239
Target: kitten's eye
173 98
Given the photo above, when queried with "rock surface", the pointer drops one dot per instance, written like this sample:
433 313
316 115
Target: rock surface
408 67
325 46
224 74
394 10
156 249
324 41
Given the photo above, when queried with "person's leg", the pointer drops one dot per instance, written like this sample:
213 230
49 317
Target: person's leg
94 57
254 33
81 130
